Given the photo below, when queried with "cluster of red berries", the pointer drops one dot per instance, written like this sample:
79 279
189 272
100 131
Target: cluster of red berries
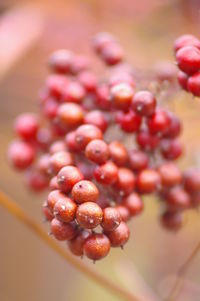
187 51
96 181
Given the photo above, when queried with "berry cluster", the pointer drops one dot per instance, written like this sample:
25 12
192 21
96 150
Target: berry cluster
187 51
97 181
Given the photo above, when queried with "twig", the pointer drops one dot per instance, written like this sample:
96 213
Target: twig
181 273
13 208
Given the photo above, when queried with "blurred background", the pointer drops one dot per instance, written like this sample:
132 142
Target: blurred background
29 32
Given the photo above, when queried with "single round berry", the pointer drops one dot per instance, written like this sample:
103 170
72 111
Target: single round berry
67 177
170 174
159 122
171 220
80 63
85 191
53 184
125 181
89 215
193 84
76 244
55 85
144 103
100 40
50 108
53 197
65 209
111 219
86 133
88 80
26 126
148 181
102 99
183 80
21 154
97 151
134 203
73 92
171 149
48 215
186 40
70 114
178 198
96 118
43 164
96 246
174 128
123 212
130 122
61 61
192 180
188 59
71 142
118 153
119 236
63 231
121 95
147 141
138 160
112 53
57 146
60 160
36 180
106 174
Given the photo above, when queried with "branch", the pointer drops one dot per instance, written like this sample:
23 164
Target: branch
181 274
14 209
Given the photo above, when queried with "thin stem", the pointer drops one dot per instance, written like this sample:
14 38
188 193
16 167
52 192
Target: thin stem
181 273
13 208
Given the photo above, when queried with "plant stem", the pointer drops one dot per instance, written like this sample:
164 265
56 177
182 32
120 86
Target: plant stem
181 273
13 208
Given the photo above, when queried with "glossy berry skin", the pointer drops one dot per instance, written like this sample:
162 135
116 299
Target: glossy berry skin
138 160
192 180
53 184
193 84
125 181
148 181
96 118
36 180
118 153
112 54
70 114
186 40
159 122
97 246
171 220
55 85
147 141
130 122
106 174
188 59
178 199
134 204
26 126
89 215
63 231
48 215
144 103
123 212
67 177
21 154
61 61
170 174
171 149
174 129
76 244
86 133
53 197
85 191
60 160
88 80
97 151
183 80
70 140
121 95
57 146
119 236
111 219
65 210
73 92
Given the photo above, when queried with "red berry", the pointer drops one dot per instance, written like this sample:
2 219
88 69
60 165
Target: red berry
119 236
188 59
192 180
63 231
125 181
130 122
61 61
138 160
88 80
89 215
67 177
26 126
159 122
96 118
73 92
170 174
123 212
106 174
111 219
100 40
50 108
134 204
21 154
183 80
43 164
148 181
60 160
53 197
71 142
121 95
147 141
171 220
47 213
186 40
97 151
53 184
171 149
174 128
57 146
65 209
86 133
97 246
80 64
193 84
36 180
112 53
144 103
70 115
178 198
103 100
55 85
85 191
76 244
118 153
